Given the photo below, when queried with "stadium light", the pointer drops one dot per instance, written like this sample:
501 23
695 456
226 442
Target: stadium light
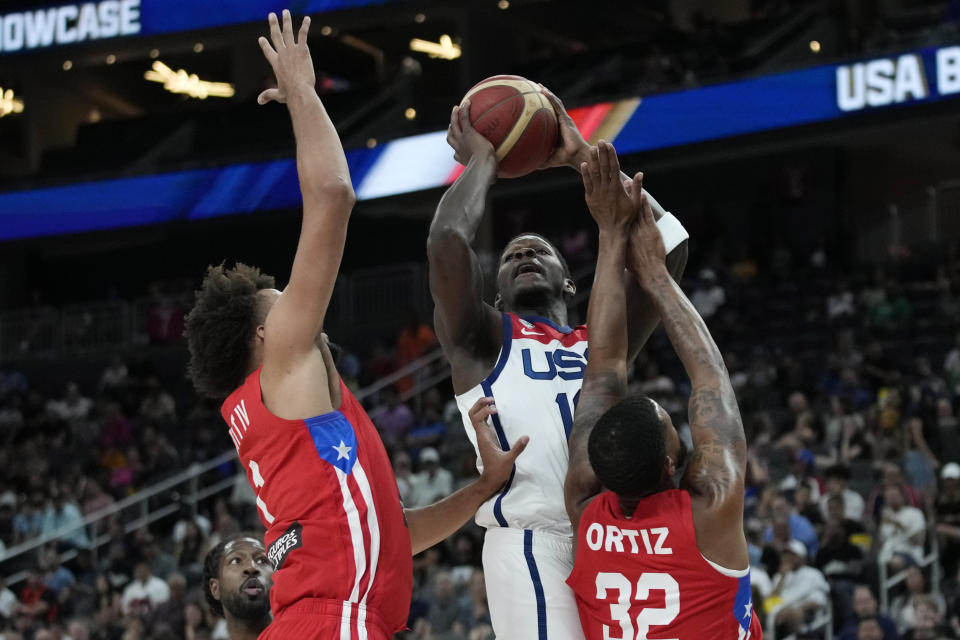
445 49
8 103
180 81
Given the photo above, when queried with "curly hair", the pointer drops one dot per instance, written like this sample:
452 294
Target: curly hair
627 447
219 329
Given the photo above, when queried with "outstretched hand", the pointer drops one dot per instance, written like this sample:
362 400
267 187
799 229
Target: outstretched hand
647 252
289 57
497 463
609 200
572 145
465 140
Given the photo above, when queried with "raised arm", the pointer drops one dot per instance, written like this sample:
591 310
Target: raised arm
294 376
605 380
715 475
436 522
574 152
642 316
464 323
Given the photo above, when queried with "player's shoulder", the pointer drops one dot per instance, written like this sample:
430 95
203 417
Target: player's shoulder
247 393
603 507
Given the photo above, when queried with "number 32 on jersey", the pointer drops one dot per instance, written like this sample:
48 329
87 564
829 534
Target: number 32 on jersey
638 627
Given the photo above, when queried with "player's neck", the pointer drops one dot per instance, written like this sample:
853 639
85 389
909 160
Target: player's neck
555 311
628 505
246 629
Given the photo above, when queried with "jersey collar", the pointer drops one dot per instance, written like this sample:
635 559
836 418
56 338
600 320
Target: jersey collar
547 321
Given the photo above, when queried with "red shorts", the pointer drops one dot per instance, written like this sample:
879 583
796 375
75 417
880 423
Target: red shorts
321 619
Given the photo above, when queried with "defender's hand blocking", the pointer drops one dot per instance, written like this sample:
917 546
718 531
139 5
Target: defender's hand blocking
497 463
608 201
572 143
464 139
289 57
646 252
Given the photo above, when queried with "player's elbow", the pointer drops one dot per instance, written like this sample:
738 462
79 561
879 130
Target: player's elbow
335 194
677 260
443 241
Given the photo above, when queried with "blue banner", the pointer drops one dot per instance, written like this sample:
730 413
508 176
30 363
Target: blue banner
790 99
425 161
169 16
72 23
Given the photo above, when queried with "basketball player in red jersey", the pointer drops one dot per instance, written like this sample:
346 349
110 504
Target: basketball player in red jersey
336 531
652 560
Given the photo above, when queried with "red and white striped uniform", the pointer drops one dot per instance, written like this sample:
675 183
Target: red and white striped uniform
335 527
643 576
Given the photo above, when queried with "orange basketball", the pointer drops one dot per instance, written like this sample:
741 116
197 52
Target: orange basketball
517 119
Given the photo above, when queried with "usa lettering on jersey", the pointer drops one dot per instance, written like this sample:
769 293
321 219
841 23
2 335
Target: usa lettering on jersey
549 365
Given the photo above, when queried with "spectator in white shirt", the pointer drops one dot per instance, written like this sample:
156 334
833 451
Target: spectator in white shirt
407 481
951 366
840 303
708 296
802 590
145 592
838 478
433 482
8 600
62 512
902 529
158 405
114 375
73 406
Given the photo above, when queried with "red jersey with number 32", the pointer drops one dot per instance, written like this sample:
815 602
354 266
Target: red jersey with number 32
328 497
643 577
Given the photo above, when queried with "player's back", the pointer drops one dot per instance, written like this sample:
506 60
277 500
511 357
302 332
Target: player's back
328 497
535 383
644 576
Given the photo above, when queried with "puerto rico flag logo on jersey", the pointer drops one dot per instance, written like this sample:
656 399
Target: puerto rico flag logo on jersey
336 443
743 607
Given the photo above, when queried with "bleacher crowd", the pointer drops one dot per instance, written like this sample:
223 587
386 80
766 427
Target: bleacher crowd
849 390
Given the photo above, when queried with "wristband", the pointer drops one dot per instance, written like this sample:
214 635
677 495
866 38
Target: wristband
672 231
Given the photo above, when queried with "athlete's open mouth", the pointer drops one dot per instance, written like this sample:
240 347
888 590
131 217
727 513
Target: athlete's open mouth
528 267
252 587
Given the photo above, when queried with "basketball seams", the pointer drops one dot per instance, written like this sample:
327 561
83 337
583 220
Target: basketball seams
522 85
537 128
532 116
530 109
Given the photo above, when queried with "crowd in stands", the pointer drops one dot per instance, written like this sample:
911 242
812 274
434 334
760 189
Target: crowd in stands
849 391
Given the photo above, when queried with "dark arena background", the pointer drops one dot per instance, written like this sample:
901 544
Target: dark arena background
812 150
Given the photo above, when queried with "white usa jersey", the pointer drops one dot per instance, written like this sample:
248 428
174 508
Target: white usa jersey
536 384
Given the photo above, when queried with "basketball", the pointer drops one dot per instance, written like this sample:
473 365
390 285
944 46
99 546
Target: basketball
517 119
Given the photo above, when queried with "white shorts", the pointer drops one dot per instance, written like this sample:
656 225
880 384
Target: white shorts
526 573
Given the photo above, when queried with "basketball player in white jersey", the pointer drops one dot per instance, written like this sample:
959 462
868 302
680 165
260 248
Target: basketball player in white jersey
521 352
